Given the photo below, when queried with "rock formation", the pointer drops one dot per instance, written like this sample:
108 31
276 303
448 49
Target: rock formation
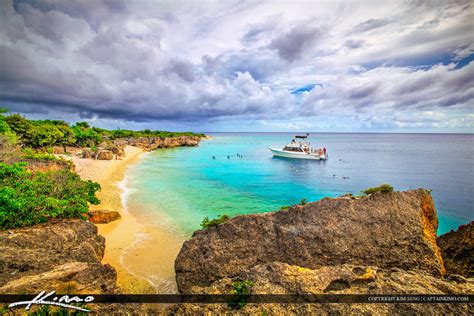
457 249
64 256
103 217
87 153
151 143
104 155
281 278
36 165
386 230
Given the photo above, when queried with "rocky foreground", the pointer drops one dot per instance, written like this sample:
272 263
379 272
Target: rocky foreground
65 255
384 243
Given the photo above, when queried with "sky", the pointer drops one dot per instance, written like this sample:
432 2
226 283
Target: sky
327 66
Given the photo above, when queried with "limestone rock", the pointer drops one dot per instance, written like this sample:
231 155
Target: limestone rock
87 153
103 217
55 256
152 143
105 155
457 250
117 150
281 278
386 230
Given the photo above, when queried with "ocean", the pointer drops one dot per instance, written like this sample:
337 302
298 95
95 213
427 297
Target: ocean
172 190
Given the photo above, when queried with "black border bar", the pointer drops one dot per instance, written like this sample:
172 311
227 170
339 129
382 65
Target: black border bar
255 298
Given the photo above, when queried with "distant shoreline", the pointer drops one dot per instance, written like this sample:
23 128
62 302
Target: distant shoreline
365 133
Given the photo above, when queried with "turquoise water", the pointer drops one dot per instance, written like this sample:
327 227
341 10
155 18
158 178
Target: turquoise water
176 188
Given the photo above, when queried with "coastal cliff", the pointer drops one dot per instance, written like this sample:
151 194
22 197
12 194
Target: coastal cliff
457 248
376 244
64 256
152 143
386 230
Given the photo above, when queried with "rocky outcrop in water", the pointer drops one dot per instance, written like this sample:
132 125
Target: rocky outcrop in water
64 256
385 230
457 249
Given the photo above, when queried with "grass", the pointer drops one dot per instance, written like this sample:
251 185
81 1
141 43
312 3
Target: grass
384 188
206 223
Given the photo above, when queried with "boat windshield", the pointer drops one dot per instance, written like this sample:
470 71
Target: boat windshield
296 149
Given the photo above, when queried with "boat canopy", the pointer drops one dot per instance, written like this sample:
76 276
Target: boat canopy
302 136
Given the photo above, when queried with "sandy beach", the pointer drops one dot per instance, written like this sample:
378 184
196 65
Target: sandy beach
122 233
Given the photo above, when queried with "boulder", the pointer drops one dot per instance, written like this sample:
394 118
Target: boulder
117 150
60 255
457 250
282 278
104 155
103 217
58 150
387 230
87 153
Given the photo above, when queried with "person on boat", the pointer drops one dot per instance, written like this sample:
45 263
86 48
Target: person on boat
324 150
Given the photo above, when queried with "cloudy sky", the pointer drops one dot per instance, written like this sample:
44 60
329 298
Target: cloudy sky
398 66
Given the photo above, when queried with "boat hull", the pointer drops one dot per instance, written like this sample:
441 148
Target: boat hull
296 155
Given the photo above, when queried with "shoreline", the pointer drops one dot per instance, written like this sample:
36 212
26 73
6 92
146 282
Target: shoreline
123 233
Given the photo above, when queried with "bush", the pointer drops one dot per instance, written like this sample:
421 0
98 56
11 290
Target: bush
384 188
285 207
240 290
30 154
28 198
303 201
9 149
214 222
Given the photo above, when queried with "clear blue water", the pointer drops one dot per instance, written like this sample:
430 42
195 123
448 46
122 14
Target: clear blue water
177 188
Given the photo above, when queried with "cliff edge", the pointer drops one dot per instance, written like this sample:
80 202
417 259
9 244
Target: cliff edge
383 243
64 256
457 249
386 230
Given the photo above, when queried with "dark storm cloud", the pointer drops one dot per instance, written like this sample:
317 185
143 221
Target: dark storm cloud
291 45
149 61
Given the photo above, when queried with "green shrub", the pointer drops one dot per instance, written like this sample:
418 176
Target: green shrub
28 198
214 222
30 154
285 207
303 201
240 290
385 188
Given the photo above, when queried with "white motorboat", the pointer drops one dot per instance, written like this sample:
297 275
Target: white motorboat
300 149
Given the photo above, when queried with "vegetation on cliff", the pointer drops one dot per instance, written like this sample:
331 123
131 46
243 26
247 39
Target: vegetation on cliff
384 188
28 198
48 133
206 222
